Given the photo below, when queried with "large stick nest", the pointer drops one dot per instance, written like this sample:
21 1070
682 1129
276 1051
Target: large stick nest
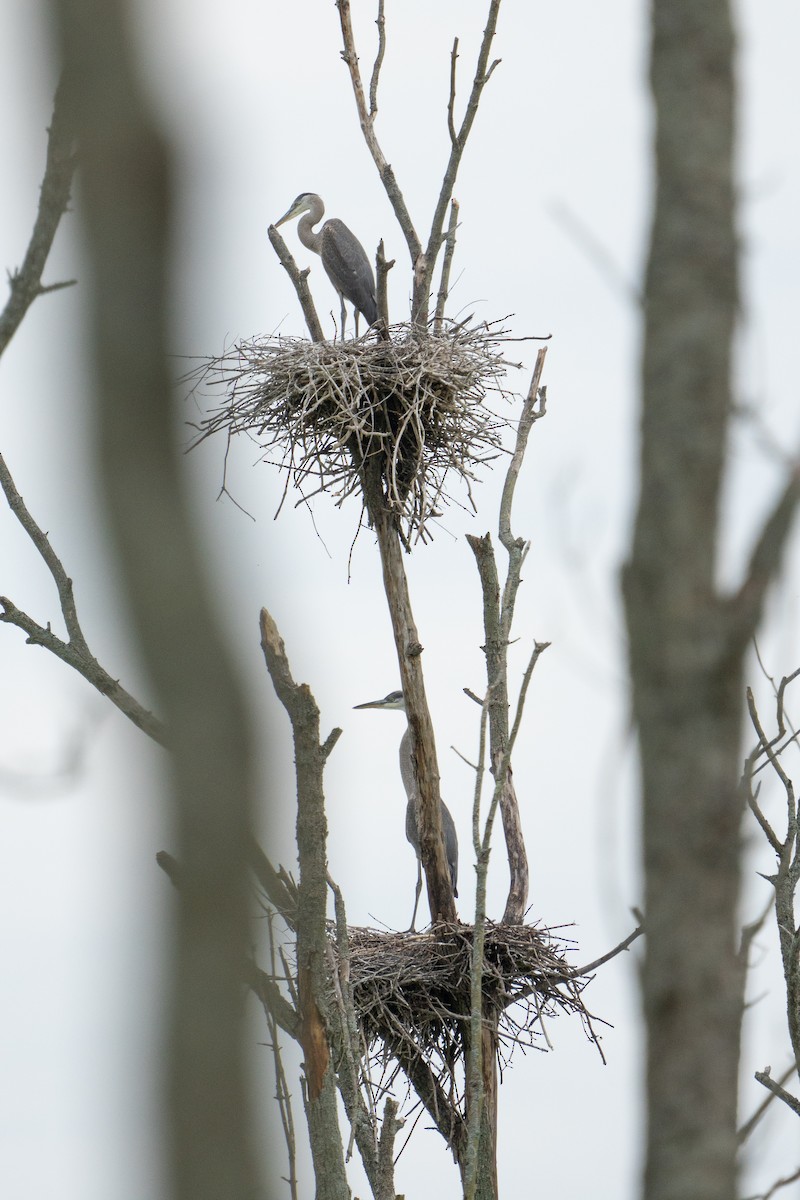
411 994
415 403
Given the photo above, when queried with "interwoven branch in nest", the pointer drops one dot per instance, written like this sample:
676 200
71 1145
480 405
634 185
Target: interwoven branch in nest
416 402
411 994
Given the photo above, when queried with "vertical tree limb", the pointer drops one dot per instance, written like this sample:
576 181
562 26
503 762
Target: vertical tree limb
498 616
299 282
447 262
409 649
312 942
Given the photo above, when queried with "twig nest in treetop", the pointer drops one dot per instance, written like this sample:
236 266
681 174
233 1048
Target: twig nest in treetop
415 404
411 993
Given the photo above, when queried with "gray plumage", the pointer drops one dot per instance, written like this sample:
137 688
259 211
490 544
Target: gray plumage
395 702
342 254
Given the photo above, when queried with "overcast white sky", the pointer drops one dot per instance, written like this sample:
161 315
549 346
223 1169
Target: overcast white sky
260 108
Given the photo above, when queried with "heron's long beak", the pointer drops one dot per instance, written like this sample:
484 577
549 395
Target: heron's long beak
371 704
293 211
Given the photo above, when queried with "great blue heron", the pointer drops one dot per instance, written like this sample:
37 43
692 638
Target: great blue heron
396 702
342 254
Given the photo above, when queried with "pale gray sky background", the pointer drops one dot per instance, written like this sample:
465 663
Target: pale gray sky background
260 107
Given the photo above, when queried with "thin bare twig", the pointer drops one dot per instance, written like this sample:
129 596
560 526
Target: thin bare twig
780 1093
50 558
383 267
533 410
483 72
474 1063
74 651
380 21
783 1182
282 1093
587 969
366 121
423 264
447 261
745 1130
787 851
26 283
746 606
451 102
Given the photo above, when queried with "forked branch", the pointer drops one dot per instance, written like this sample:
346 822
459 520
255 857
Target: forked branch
74 651
423 262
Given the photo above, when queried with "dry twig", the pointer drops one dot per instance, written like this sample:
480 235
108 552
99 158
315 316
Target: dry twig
26 283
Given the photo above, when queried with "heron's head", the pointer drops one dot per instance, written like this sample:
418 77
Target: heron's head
303 203
395 701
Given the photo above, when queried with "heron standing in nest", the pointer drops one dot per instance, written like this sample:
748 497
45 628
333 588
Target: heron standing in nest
396 702
342 254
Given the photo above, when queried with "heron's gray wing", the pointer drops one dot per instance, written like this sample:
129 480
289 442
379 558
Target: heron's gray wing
348 267
450 844
412 833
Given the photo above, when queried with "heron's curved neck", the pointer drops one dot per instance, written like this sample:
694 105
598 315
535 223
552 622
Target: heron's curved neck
305 226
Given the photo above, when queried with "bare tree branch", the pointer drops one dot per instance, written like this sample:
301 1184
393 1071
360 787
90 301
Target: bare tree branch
300 283
380 21
423 264
75 651
409 652
483 72
51 560
367 122
26 283
783 1182
787 851
87 666
282 1094
750 1124
447 261
588 968
534 408
780 1093
451 101
746 606
383 267
390 1127
312 942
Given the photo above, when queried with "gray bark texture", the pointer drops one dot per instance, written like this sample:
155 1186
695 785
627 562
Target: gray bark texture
312 830
686 667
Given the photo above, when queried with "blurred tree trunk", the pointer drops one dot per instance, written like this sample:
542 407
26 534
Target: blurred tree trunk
686 668
125 193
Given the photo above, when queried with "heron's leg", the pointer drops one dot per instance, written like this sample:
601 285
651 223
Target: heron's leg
355 318
344 316
416 896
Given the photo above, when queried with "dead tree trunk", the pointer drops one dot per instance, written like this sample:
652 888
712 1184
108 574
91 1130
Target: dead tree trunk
687 641
409 650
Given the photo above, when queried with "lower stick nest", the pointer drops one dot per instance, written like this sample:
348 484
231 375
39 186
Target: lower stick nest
414 403
411 995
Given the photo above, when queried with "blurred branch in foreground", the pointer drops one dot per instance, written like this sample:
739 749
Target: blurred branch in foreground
126 207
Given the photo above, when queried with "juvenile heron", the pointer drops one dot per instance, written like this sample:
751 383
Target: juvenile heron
396 702
342 254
